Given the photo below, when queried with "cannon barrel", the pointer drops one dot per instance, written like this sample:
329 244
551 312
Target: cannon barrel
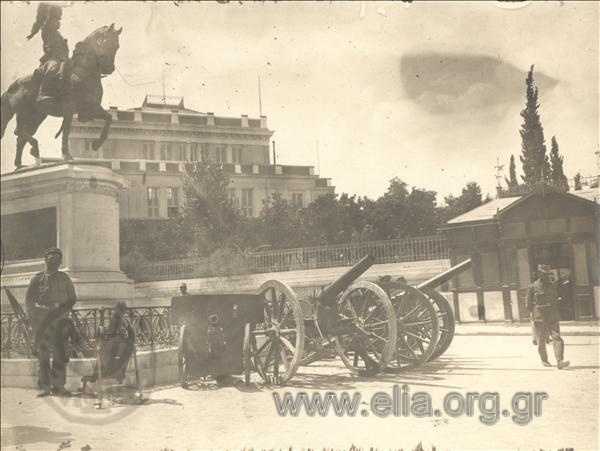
330 293
444 277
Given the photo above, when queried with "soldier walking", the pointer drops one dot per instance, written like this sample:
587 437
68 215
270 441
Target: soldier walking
542 303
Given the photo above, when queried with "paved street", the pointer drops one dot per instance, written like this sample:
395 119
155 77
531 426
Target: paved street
207 416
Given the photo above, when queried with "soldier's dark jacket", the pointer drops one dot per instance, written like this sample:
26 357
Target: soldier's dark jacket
542 301
49 289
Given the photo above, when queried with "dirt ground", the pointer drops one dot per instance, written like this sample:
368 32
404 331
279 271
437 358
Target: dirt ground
207 416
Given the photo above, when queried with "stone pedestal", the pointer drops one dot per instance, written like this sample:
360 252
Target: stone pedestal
72 206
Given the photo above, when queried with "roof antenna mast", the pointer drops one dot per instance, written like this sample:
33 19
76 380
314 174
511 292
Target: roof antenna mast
499 168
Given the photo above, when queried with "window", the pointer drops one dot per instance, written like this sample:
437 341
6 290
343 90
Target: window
148 151
247 207
172 201
87 145
198 152
297 200
221 154
233 199
178 151
172 167
166 151
153 202
236 154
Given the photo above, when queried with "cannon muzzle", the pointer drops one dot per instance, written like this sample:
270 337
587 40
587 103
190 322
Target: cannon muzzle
330 293
444 277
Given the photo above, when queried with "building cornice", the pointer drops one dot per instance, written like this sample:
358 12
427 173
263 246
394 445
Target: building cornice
227 134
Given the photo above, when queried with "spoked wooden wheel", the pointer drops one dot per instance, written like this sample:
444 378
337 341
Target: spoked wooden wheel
446 321
277 344
418 327
366 316
182 357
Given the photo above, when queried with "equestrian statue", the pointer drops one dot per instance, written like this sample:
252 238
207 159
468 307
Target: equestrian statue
61 86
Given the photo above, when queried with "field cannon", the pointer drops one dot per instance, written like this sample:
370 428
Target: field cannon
355 317
373 327
424 318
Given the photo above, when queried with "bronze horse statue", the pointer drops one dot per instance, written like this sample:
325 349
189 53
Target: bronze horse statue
92 59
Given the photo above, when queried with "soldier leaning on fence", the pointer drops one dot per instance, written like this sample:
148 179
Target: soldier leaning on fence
48 291
542 303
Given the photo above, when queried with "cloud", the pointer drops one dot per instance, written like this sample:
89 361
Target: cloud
444 83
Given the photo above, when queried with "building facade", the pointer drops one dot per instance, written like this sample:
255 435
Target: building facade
508 238
149 146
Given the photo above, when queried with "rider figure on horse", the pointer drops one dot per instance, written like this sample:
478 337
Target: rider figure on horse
54 67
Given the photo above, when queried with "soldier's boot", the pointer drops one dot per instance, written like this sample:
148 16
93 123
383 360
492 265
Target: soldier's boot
563 364
546 363
45 390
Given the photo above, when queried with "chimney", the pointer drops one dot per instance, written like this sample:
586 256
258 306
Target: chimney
245 120
263 122
210 119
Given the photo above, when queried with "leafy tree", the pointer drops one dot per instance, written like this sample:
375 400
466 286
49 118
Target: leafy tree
280 224
146 240
470 198
421 219
208 209
400 213
557 176
329 219
512 181
536 167
389 208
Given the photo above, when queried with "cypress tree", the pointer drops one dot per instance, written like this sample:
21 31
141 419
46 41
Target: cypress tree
557 175
536 167
512 171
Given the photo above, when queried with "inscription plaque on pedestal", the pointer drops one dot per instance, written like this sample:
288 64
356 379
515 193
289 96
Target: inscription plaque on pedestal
27 234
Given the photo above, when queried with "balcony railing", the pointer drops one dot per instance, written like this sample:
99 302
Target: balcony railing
151 325
389 251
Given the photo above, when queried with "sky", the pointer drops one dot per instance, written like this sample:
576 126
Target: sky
429 92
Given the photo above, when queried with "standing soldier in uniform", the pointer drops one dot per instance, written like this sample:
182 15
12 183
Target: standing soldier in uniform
542 303
49 291
54 67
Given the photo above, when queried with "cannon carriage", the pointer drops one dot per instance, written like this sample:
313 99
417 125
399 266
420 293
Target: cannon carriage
373 327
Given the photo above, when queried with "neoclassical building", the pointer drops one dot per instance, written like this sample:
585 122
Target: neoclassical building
150 144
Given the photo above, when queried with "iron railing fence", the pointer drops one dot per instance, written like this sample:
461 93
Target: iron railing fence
389 251
151 325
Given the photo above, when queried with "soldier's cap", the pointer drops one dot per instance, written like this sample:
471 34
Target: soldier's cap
52 250
544 269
